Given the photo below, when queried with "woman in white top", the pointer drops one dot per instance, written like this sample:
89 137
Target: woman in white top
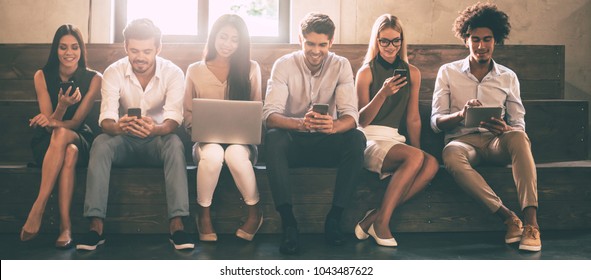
226 72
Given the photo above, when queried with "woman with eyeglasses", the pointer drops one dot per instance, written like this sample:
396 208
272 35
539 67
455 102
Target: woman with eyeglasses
388 93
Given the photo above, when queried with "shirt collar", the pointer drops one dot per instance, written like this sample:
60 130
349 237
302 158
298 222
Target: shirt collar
304 66
157 74
466 66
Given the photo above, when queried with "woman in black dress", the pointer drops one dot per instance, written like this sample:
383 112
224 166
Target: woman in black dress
61 139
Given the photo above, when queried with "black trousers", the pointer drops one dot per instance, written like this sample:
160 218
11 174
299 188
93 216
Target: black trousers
285 149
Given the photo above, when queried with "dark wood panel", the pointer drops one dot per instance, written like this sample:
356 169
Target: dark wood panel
546 67
557 129
137 201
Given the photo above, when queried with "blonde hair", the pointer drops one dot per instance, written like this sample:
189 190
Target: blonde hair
383 22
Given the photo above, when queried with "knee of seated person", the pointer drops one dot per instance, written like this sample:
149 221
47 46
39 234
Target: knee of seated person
276 138
71 156
356 138
210 153
452 155
236 153
415 159
101 146
172 143
58 135
516 136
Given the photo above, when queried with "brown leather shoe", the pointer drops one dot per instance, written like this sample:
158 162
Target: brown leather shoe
514 230
530 241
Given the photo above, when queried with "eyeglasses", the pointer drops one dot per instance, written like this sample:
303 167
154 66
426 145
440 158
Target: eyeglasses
386 42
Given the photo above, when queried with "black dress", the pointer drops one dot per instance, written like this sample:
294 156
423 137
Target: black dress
41 138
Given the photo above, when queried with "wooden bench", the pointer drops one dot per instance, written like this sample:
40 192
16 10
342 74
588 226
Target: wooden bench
557 128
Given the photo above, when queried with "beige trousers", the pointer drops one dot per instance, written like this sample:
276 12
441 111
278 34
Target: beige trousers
462 154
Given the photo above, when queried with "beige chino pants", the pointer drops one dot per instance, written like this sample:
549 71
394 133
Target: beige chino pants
462 154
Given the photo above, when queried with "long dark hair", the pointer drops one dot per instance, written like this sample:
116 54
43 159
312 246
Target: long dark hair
239 75
53 61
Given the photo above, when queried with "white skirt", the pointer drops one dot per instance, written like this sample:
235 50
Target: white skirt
380 139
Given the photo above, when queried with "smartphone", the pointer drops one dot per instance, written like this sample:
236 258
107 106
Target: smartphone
401 72
134 112
320 108
65 85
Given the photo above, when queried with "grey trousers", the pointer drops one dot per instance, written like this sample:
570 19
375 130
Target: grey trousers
123 150
462 154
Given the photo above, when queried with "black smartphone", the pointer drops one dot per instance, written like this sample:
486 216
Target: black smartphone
401 72
134 112
65 85
320 108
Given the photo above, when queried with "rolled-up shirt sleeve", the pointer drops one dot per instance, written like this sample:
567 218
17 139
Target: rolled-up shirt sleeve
175 93
110 90
515 111
441 98
277 91
345 96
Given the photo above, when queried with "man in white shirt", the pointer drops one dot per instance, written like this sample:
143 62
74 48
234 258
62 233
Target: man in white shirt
479 81
298 136
156 86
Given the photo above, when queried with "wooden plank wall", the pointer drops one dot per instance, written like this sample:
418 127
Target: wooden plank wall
541 75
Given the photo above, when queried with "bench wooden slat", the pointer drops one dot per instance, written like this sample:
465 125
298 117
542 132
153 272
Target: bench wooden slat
557 129
541 75
137 200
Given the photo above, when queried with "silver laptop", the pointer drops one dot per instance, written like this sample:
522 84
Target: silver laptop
227 121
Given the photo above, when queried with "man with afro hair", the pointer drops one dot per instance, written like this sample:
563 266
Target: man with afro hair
478 81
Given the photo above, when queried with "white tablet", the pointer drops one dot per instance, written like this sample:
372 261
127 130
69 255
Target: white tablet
475 115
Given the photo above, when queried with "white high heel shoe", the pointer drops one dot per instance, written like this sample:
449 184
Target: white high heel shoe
389 242
359 232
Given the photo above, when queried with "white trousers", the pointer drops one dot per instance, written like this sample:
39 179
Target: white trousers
210 158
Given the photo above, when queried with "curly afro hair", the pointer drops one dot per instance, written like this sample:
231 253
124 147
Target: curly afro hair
482 15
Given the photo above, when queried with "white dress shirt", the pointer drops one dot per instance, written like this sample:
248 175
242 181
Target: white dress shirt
292 89
162 99
455 85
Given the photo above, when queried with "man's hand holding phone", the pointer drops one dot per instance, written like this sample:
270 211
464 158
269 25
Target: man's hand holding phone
143 127
134 124
317 119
